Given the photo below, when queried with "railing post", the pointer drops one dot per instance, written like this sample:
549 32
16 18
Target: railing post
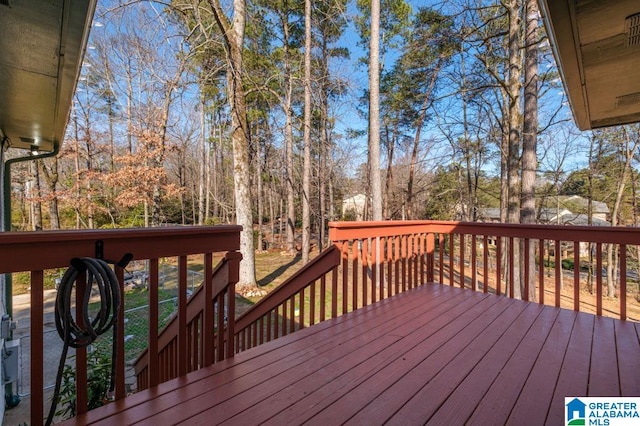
37 347
208 340
234 259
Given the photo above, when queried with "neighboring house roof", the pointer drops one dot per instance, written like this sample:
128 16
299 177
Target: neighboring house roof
551 216
598 207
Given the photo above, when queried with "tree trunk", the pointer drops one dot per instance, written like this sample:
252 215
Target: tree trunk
513 156
234 41
416 140
306 173
628 151
530 137
288 136
51 178
259 195
374 112
36 197
202 177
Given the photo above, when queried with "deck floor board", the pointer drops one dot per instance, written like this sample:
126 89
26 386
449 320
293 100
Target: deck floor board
434 354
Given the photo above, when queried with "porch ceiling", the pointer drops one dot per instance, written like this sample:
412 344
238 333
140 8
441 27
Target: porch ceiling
597 46
41 52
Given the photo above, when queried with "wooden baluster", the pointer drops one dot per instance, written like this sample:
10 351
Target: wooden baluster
576 276
527 269
541 272
474 262
452 273
485 266
462 268
397 263
81 353
208 340
622 292
182 315
598 278
152 352
334 292
512 276
364 255
354 281
37 347
558 271
344 248
498 265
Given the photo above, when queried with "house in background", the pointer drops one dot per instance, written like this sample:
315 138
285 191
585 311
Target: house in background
561 216
354 206
563 210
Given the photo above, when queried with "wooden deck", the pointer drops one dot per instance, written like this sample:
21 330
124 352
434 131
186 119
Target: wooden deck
435 354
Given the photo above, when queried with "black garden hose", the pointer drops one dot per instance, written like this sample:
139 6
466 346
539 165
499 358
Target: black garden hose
99 273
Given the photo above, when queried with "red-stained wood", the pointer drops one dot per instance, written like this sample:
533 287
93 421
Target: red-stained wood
81 352
152 377
36 356
436 368
276 357
558 271
527 268
603 374
485 264
512 276
182 315
598 279
474 262
461 261
576 276
541 382
469 392
435 354
622 291
541 271
498 266
503 393
573 377
208 337
627 349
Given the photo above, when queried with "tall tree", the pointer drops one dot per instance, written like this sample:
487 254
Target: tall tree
306 178
231 32
233 35
530 133
374 112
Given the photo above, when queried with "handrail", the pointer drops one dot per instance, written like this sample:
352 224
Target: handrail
368 261
314 270
36 252
457 253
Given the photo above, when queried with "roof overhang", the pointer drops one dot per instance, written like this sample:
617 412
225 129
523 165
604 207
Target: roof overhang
597 47
41 51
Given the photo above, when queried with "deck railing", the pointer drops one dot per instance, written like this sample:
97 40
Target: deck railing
371 261
564 266
38 252
367 262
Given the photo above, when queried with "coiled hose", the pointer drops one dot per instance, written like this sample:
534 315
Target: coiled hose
99 273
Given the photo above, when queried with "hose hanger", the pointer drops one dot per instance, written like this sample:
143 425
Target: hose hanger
101 279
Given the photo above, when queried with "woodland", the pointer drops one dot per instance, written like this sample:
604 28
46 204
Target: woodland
270 113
